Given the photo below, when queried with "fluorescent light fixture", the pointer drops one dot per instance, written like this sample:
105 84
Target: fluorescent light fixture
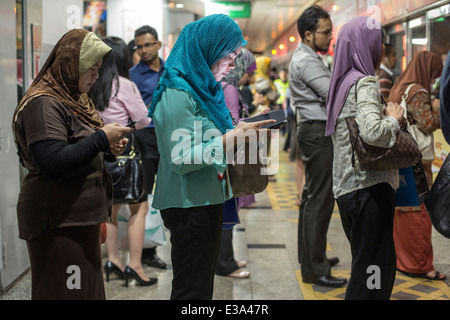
420 41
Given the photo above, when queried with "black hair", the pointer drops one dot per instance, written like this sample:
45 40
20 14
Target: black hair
310 18
116 65
131 50
389 48
146 29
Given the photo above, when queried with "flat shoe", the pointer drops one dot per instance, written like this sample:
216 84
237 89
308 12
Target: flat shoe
154 261
299 200
242 264
327 281
239 274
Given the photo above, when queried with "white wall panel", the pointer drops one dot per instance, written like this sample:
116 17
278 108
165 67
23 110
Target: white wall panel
123 17
13 253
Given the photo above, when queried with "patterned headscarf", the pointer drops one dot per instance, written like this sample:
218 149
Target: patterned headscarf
243 63
188 67
424 67
75 53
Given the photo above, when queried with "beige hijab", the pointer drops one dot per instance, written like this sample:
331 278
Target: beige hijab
74 54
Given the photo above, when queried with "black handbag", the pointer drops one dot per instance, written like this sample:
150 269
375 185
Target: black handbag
437 201
127 173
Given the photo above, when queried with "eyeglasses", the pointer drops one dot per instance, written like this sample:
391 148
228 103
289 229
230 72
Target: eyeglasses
147 45
327 33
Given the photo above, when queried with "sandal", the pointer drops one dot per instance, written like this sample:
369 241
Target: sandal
437 276
299 200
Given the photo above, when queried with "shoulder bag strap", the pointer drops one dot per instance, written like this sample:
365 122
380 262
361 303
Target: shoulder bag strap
353 143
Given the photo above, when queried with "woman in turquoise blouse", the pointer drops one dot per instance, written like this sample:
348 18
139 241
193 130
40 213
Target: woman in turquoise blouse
193 125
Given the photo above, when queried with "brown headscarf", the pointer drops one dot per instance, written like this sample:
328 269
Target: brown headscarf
423 67
61 72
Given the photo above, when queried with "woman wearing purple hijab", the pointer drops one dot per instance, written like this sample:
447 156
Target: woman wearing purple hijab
365 197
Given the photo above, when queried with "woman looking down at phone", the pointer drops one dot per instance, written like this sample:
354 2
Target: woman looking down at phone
188 109
66 193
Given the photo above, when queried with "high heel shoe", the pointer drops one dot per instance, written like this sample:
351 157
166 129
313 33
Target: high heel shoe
129 273
111 267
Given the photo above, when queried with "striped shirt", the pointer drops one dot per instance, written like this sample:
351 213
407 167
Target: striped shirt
386 80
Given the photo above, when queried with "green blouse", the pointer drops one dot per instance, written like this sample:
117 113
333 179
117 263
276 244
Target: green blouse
192 159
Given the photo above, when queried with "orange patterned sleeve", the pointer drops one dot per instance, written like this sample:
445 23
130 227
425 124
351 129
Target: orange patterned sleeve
424 114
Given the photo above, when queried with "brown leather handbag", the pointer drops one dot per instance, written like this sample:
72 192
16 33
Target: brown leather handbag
246 172
403 154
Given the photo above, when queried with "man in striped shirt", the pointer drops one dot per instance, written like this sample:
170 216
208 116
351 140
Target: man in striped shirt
384 74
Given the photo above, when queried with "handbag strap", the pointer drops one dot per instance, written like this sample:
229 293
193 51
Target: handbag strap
405 94
353 143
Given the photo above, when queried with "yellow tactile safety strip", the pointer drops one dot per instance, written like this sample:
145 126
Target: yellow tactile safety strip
405 288
283 196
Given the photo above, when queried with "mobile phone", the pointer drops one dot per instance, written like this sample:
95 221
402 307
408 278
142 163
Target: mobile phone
277 125
278 115
131 124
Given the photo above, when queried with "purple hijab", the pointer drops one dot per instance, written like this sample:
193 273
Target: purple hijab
358 49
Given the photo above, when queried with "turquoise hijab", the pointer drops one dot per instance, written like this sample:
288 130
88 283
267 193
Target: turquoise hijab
188 67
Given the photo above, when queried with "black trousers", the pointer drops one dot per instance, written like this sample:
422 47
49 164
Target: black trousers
368 217
195 239
317 199
226 263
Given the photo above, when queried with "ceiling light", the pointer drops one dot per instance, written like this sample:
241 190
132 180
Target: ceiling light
420 41
274 52
281 46
179 5
291 39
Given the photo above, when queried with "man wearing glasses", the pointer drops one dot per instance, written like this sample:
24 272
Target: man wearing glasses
146 75
309 80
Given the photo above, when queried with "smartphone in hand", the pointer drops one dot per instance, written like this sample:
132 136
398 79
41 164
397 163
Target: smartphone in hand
278 115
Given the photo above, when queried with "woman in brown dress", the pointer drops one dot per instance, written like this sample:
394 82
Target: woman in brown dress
67 192
412 225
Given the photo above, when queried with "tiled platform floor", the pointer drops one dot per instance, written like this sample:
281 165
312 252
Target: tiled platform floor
267 240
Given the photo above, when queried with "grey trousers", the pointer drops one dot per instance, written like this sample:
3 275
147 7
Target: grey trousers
317 199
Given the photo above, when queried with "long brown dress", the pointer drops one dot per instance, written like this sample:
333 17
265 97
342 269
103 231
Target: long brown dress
60 217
